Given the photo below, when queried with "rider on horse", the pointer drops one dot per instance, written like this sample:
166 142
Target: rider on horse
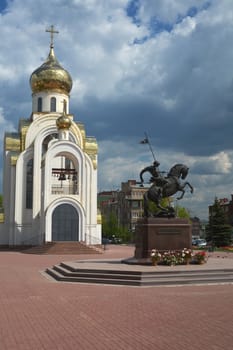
163 187
156 176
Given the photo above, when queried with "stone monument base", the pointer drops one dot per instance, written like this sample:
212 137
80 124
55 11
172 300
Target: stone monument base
161 234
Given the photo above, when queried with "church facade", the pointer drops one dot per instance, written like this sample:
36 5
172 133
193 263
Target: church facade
50 168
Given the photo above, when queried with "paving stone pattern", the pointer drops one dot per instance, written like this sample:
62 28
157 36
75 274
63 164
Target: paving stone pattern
40 313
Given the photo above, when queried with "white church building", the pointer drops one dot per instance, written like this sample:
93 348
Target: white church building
50 168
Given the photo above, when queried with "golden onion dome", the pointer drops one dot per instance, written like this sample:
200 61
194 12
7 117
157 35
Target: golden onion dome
51 76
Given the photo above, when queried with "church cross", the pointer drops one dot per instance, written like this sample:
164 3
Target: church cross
52 32
64 107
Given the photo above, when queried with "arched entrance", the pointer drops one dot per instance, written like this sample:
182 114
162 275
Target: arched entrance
65 223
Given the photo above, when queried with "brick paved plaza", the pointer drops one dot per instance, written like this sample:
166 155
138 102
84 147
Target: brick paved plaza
39 313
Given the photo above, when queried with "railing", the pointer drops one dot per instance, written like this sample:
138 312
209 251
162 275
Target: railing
64 189
138 197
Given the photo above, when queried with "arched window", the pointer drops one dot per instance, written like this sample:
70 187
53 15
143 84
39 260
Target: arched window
53 104
47 140
39 104
29 184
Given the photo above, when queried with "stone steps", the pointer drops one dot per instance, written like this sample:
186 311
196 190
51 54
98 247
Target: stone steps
66 273
61 248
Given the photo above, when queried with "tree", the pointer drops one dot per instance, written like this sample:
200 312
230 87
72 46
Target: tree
165 202
109 225
111 229
125 234
218 231
181 212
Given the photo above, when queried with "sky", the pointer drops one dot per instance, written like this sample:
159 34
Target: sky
164 67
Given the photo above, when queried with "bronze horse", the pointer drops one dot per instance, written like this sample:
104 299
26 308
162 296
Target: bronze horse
166 188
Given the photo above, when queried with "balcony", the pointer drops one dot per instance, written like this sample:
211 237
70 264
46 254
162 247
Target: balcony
64 189
65 181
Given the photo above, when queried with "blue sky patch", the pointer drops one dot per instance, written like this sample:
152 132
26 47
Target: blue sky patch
139 41
3 5
132 10
193 11
156 26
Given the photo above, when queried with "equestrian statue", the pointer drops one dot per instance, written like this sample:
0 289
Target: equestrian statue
163 187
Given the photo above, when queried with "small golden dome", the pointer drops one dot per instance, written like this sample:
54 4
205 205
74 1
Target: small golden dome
51 76
63 122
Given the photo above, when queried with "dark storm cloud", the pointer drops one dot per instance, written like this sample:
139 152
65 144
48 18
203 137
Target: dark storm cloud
196 130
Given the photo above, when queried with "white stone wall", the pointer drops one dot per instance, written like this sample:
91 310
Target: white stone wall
46 98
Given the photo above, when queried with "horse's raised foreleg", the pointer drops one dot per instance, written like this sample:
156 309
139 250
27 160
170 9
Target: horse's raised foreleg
182 194
181 189
190 186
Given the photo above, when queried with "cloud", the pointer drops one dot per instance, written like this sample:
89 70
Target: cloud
5 125
217 164
170 11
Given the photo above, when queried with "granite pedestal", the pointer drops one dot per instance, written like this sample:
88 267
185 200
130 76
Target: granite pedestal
161 234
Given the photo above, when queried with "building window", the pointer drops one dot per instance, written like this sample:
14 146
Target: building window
53 104
135 204
39 106
67 163
29 184
47 140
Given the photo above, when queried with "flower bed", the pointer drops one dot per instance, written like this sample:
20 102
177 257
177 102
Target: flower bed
200 257
180 257
155 256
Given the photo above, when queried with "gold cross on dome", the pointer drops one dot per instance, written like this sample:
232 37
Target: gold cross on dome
64 107
52 32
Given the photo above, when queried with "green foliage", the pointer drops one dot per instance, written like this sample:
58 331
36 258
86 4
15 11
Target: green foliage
1 201
109 225
111 228
218 231
182 212
124 234
165 202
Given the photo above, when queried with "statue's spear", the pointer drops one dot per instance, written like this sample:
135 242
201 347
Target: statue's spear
147 141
